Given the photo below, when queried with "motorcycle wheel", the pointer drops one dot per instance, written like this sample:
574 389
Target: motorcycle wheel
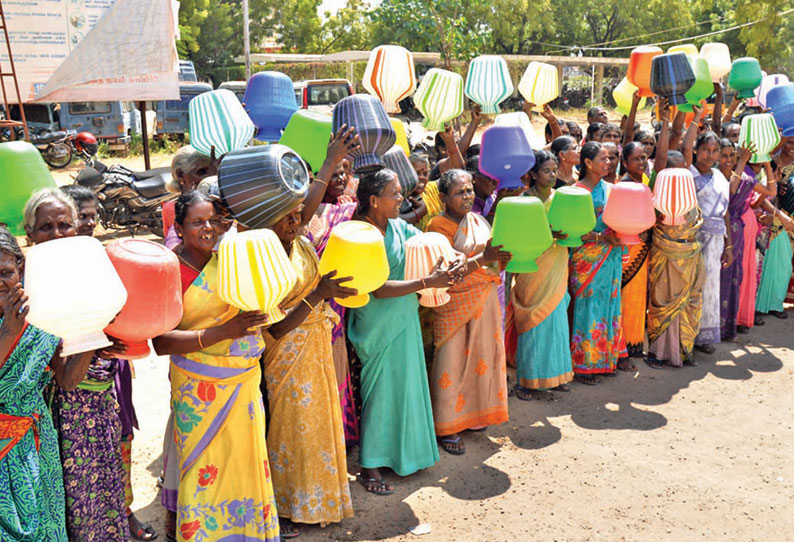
57 155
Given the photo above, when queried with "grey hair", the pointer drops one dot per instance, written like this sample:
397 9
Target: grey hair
9 245
449 176
184 159
42 197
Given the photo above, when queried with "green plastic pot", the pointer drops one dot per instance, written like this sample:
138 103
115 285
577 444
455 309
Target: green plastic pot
22 172
520 225
571 212
745 76
308 133
703 87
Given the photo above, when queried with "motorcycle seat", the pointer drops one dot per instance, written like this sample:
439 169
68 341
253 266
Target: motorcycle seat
152 187
149 173
47 138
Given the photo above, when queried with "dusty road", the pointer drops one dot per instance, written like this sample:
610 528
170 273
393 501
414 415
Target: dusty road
700 453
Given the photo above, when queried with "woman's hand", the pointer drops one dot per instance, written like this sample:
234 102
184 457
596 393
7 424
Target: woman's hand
117 349
611 239
448 136
344 142
440 277
495 253
476 114
15 310
727 256
664 110
241 325
330 287
746 151
788 224
559 235
766 219
636 98
698 114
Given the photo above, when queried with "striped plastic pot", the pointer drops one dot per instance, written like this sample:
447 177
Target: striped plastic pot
488 82
421 254
217 119
254 272
390 75
439 98
365 113
260 185
398 162
760 129
674 195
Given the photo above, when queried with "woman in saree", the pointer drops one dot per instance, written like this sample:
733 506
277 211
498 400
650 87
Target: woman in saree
731 164
328 206
713 193
675 281
219 419
777 266
468 381
87 417
32 497
595 270
539 304
397 428
634 281
188 168
305 437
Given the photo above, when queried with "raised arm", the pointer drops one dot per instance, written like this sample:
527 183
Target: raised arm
471 129
660 162
344 141
716 116
691 134
628 129
731 109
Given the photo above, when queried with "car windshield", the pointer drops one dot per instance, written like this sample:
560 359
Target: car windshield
84 108
181 104
327 94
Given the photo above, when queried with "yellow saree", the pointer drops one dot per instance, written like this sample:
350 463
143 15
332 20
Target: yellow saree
675 276
306 438
468 381
219 429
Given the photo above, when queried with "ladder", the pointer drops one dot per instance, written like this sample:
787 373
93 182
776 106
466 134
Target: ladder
7 122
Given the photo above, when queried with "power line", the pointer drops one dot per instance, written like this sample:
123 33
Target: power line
623 48
659 31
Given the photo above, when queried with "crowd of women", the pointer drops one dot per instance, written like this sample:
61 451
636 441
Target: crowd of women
263 414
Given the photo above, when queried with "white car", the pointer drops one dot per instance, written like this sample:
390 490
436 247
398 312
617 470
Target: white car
321 94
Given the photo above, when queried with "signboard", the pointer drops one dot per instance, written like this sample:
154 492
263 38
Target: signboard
92 50
42 35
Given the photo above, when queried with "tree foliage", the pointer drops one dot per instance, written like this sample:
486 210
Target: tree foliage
211 30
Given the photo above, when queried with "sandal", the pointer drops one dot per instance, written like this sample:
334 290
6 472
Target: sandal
744 330
452 446
562 387
654 363
140 530
782 315
625 364
373 485
705 348
758 320
287 529
525 394
691 362
589 380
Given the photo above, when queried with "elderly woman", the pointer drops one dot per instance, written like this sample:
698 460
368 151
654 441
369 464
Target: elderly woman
188 168
86 417
396 414
219 419
32 493
306 437
468 382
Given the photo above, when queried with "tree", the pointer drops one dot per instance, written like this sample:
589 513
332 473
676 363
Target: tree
770 39
350 28
192 13
517 24
452 27
298 26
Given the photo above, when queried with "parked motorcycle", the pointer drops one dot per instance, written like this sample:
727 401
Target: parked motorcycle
127 199
58 148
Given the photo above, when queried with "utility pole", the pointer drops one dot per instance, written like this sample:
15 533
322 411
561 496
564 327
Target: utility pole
246 41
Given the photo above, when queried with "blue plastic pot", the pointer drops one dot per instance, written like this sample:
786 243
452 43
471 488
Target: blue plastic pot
270 102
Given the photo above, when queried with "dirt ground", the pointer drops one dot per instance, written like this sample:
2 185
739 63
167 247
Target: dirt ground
700 453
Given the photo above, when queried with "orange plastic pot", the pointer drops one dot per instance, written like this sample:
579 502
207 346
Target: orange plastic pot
639 70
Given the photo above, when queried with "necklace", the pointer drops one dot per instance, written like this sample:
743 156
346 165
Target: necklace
187 263
368 219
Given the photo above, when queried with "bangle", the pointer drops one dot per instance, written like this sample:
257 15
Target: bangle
200 336
729 246
598 237
321 181
311 307
424 286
